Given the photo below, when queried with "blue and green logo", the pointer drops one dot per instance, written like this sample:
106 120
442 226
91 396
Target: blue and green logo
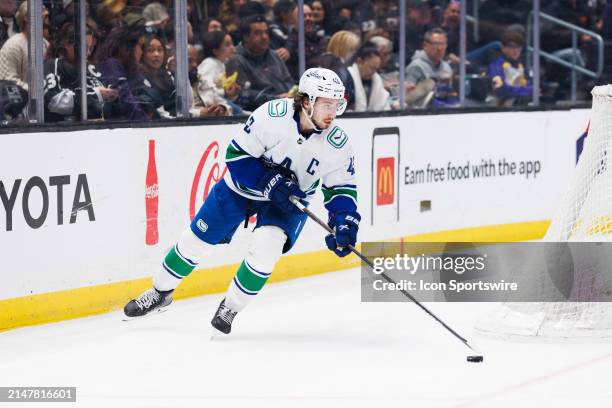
337 137
277 108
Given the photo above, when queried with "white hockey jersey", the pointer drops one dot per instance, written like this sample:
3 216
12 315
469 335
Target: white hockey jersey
271 134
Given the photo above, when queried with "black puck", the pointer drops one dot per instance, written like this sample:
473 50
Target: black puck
475 359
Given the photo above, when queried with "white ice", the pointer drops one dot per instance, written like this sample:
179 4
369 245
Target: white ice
307 342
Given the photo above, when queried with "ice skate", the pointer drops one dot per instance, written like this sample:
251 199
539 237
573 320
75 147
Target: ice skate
223 318
150 301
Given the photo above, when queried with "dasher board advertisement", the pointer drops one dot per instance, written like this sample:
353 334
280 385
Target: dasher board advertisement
385 192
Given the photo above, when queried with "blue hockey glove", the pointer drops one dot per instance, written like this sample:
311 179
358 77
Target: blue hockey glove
278 189
346 225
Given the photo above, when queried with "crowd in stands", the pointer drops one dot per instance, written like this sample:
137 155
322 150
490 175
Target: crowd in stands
244 53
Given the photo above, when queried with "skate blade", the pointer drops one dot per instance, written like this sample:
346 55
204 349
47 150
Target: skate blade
216 334
127 318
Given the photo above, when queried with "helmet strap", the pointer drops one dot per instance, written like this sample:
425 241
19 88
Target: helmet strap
310 113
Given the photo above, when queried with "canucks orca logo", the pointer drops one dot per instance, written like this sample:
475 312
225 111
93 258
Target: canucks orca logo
277 108
202 226
337 138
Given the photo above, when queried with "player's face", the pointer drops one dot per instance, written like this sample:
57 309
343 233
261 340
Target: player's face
325 110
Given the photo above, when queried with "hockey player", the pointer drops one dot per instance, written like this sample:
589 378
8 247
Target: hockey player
286 148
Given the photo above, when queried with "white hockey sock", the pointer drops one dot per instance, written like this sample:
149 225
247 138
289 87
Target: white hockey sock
180 261
265 250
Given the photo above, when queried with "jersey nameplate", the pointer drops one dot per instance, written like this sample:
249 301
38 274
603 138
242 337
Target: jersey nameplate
337 138
277 108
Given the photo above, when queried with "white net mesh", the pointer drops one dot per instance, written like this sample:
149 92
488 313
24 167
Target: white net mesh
585 215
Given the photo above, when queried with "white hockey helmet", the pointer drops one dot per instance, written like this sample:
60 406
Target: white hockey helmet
325 83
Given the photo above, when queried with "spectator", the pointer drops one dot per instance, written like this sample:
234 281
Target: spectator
268 6
385 49
418 22
62 82
262 75
389 66
510 83
212 24
8 25
157 92
343 45
118 58
62 12
343 9
322 17
214 89
198 109
115 13
480 56
370 94
156 17
251 8
428 72
340 49
285 20
228 14
14 60
345 17
359 12
387 14
194 59
92 38
450 24
314 44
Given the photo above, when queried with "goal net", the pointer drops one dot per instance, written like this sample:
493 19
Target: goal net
573 292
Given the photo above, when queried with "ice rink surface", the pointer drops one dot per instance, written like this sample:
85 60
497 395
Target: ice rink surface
304 343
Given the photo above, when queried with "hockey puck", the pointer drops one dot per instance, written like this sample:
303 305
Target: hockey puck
475 359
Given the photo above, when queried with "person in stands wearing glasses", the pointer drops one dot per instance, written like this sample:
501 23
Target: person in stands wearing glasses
428 72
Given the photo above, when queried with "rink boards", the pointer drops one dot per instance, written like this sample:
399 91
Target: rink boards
74 205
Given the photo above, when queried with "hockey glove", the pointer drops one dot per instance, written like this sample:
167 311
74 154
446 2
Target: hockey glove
346 225
278 189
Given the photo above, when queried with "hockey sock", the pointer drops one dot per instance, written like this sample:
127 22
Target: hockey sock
246 284
265 250
180 261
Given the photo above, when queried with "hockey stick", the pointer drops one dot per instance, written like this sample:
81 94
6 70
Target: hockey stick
326 227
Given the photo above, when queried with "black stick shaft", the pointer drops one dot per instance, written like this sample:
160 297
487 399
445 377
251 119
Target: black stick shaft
326 227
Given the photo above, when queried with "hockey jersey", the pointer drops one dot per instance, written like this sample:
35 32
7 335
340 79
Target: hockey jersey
271 137
62 91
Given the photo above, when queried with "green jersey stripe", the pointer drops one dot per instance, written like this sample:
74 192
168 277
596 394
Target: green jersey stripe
329 194
233 153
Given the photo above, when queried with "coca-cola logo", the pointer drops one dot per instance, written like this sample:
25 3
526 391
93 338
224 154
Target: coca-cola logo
211 163
152 191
